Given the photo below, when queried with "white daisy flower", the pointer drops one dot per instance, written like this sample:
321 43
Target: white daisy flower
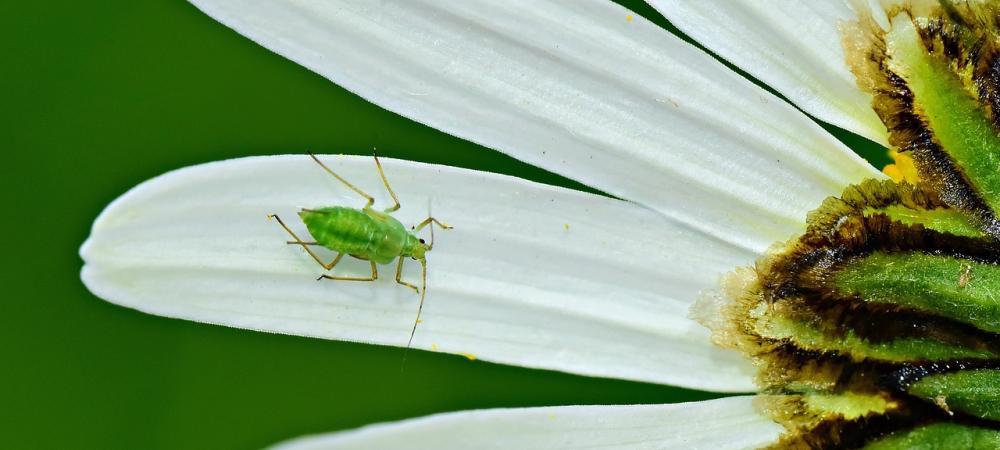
708 170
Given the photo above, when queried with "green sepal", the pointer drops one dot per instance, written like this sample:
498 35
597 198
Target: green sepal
956 118
974 392
940 436
919 348
959 289
904 203
940 219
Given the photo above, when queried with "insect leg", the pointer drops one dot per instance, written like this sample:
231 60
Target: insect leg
385 181
428 221
305 245
371 200
399 274
372 278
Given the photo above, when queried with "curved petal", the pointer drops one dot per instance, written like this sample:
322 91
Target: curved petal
585 89
723 424
792 45
531 275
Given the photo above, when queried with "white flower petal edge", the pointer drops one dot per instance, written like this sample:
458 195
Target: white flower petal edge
586 89
792 45
531 275
723 424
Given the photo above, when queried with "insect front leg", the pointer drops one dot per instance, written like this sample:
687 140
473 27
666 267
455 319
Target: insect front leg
305 245
399 275
428 221
372 278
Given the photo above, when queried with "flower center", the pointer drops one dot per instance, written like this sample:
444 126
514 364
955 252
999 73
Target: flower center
879 327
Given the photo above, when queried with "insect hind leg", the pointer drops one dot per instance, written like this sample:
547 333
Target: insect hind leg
305 245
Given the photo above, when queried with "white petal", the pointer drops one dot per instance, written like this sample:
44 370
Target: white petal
531 275
723 424
793 46
585 89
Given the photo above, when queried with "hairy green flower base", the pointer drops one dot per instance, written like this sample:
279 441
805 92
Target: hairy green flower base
947 220
940 436
956 288
974 392
879 327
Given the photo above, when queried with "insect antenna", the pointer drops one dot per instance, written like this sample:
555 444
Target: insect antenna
420 308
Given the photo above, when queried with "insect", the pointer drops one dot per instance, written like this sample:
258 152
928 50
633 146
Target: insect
965 277
366 234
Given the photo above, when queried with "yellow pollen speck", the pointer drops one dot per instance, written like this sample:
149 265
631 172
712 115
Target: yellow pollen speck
628 18
903 170
468 356
566 226
434 346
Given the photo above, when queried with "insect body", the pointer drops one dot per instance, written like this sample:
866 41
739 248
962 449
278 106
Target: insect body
366 234
375 235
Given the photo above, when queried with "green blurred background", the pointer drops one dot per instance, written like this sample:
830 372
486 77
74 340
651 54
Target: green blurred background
99 96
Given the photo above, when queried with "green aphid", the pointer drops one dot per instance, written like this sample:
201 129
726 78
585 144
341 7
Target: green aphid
366 234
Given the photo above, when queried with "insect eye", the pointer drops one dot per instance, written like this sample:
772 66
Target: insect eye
421 241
